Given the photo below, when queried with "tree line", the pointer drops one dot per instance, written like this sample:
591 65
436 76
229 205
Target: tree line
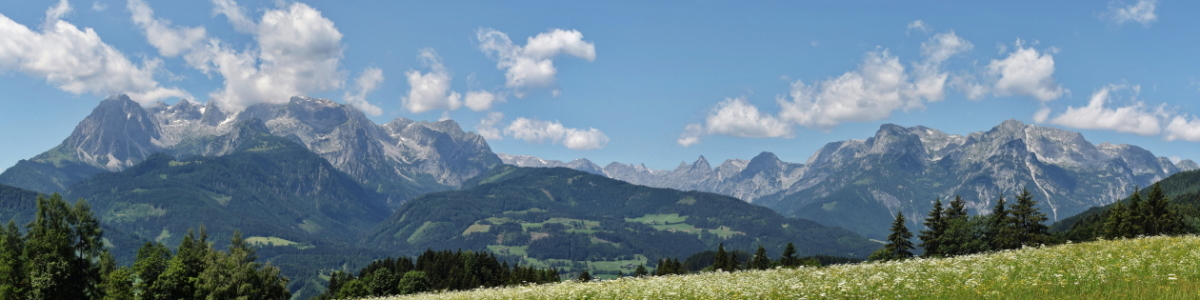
433 271
61 255
949 231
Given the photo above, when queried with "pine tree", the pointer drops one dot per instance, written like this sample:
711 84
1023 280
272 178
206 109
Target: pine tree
62 246
1116 224
900 240
12 269
1029 223
958 209
721 260
1159 219
1137 218
789 259
999 229
585 277
760 260
640 271
935 228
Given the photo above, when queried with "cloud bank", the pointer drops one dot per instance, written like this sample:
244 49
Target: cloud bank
77 61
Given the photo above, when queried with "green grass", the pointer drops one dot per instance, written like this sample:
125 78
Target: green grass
1147 268
662 219
269 241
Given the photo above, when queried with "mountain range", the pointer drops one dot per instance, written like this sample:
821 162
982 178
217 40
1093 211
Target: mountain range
861 184
398 160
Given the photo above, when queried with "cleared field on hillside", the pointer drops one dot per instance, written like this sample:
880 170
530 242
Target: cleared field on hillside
1147 268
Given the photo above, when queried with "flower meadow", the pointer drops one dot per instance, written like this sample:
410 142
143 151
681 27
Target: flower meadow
1142 268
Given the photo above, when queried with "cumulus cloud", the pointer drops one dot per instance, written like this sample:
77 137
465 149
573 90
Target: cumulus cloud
298 51
363 85
1140 12
532 66
77 60
1184 128
736 117
430 91
1134 118
1024 72
169 41
537 131
482 100
488 127
879 86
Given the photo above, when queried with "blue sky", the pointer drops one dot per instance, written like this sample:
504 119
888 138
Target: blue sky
655 82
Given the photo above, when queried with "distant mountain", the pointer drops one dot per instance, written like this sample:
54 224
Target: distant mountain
557 213
267 186
861 184
400 159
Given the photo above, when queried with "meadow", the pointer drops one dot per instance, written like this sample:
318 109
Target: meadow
1142 268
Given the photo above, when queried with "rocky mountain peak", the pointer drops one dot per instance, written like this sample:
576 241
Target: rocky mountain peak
117 134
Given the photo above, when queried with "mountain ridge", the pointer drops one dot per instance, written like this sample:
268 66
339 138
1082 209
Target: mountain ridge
1067 173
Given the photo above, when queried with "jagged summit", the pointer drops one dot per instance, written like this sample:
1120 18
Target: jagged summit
399 155
854 183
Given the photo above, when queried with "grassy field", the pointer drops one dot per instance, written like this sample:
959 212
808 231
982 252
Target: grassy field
1147 268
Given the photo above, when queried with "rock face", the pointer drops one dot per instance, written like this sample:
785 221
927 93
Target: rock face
400 160
861 184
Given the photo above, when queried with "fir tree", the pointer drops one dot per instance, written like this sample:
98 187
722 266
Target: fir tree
721 260
789 259
935 226
999 230
899 242
585 276
1116 224
760 260
1159 219
1028 222
640 271
1136 218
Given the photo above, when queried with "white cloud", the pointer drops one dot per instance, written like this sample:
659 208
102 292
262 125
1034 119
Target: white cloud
170 42
736 117
298 51
878 87
430 91
1042 114
537 131
944 45
1141 12
363 85
487 127
97 6
77 60
1129 119
482 100
1025 72
532 66
919 25
1184 128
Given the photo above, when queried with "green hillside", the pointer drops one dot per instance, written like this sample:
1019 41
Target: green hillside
270 187
1183 190
561 217
1145 268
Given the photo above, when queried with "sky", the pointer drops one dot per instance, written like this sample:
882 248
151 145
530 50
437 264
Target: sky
653 82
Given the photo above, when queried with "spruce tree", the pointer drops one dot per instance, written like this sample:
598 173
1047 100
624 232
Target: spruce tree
62 245
640 271
1159 219
900 244
999 229
760 260
1029 223
935 228
1137 218
12 263
789 259
585 276
958 209
721 260
1116 224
